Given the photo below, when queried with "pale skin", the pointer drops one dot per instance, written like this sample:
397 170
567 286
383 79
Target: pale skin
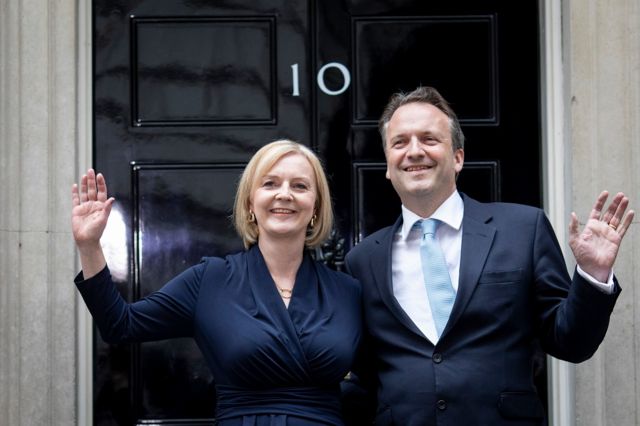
595 248
422 166
284 202
91 208
281 242
421 162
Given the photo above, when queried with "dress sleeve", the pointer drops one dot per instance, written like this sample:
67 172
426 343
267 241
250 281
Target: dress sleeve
166 313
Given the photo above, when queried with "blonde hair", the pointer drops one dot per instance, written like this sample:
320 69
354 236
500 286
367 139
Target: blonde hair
259 165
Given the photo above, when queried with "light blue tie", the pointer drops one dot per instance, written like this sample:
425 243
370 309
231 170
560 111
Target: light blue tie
436 275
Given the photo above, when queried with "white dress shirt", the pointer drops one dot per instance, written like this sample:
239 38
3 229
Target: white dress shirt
406 264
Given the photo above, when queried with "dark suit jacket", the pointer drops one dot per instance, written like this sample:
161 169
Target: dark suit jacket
514 293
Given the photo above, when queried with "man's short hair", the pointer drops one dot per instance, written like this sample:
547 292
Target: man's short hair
427 95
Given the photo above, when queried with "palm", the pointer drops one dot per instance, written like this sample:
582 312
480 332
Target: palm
596 247
596 244
91 209
88 220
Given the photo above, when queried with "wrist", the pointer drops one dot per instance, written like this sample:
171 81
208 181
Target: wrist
89 247
598 274
92 259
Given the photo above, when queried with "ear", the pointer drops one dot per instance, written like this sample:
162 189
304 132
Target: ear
458 159
387 174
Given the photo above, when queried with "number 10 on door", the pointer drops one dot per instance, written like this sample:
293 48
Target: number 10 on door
346 79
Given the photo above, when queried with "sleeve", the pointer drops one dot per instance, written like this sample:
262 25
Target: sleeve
358 389
164 314
607 287
574 315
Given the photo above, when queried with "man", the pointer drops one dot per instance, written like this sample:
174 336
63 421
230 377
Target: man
459 351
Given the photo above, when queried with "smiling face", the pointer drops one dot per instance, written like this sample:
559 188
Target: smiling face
421 162
284 199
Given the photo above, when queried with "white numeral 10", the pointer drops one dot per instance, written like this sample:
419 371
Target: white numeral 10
346 76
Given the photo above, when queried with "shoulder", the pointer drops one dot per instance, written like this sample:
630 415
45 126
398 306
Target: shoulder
232 258
217 273
381 236
211 262
514 211
214 266
339 279
502 212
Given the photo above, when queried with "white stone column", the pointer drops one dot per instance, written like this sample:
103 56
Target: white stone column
38 164
603 60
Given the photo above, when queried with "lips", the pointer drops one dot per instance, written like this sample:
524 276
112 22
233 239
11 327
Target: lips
416 168
282 211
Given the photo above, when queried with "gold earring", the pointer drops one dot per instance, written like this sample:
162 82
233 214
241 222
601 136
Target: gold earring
313 221
251 218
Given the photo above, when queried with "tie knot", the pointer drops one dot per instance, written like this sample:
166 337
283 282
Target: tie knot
429 226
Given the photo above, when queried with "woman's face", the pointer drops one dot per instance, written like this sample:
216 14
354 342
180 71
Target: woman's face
284 199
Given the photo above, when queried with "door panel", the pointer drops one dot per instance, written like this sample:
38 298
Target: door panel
419 47
483 58
186 91
231 80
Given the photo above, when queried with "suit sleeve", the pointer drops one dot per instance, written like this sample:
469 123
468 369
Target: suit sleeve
164 314
358 388
574 315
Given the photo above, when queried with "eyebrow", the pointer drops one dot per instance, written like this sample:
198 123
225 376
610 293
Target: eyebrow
423 133
271 176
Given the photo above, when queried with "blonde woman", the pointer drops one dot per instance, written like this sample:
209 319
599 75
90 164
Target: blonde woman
278 330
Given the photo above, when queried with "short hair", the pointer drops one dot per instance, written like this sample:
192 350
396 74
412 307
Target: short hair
427 95
259 165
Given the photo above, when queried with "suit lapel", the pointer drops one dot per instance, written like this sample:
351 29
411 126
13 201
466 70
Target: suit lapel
380 263
477 238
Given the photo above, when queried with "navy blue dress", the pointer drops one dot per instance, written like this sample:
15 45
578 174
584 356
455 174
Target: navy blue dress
271 365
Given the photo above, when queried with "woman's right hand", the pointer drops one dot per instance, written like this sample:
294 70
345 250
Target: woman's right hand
91 209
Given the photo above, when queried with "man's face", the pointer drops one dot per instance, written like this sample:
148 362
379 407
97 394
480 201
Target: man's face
420 157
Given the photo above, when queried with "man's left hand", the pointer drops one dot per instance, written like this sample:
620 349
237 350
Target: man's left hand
596 247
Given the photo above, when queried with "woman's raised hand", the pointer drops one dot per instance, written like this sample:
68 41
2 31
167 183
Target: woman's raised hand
91 209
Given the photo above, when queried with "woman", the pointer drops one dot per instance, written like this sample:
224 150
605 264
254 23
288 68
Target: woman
278 330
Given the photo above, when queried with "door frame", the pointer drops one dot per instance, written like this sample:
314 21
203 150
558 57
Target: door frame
556 184
556 188
84 160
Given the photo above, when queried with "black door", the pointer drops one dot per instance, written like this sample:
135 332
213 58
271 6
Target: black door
186 91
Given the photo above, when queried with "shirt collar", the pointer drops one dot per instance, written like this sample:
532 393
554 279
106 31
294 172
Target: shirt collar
449 212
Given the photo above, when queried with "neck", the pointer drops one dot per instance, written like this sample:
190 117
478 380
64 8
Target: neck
426 204
283 258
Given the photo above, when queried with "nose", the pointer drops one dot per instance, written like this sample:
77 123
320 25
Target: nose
284 193
414 149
